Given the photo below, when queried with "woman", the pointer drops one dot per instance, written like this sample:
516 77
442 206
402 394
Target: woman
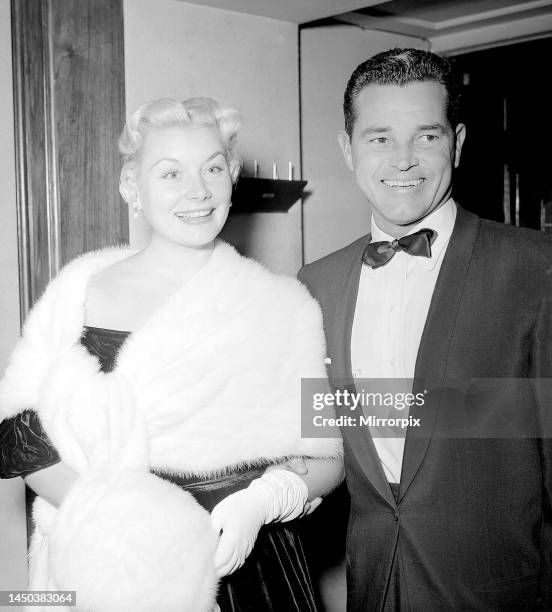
183 358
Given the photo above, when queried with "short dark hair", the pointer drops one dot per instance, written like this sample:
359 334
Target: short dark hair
399 67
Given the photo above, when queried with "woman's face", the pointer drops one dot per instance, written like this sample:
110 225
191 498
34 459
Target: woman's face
184 184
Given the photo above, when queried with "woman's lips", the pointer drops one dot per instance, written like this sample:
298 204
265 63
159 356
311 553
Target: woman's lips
195 216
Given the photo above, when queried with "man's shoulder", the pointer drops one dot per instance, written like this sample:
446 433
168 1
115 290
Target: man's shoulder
514 232
334 263
520 242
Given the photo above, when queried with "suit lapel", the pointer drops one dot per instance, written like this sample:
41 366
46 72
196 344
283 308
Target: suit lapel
431 362
358 438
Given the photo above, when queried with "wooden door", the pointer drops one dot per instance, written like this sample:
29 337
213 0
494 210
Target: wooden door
68 65
69 98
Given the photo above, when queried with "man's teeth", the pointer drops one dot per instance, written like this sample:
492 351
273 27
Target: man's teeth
194 214
413 183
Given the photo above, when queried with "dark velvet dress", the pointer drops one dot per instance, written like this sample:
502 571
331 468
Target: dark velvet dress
275 577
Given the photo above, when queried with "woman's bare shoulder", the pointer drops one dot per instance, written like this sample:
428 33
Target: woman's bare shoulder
110 295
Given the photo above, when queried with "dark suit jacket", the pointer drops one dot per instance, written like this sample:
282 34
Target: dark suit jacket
472 529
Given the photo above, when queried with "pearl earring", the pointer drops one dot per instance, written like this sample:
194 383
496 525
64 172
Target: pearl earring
136 208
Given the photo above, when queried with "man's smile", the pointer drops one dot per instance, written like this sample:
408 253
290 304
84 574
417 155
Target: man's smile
409 184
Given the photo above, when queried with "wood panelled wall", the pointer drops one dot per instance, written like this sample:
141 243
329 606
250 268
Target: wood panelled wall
69 87
69 98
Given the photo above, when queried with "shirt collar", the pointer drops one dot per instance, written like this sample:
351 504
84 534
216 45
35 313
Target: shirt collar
441 221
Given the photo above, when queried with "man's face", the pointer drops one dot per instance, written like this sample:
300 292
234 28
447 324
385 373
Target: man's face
402 152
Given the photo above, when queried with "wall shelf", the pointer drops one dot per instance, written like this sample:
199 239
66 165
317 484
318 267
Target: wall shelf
265 195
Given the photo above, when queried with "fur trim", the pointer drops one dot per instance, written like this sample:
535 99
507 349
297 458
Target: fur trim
53 325
155 559
219 367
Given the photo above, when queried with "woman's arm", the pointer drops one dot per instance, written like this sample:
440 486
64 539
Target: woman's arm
282 493
26 451
52 483
24 445
321 476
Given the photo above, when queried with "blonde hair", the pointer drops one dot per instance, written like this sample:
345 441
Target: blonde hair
168 112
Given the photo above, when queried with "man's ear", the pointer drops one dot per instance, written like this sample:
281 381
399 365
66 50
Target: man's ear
345 144
460 133
127 185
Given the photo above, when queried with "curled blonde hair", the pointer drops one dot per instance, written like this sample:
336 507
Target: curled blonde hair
168 112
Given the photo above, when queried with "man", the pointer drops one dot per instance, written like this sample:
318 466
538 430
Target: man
437 522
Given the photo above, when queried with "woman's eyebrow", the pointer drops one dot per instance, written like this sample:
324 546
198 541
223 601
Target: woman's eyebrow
215 154
172 160
164 159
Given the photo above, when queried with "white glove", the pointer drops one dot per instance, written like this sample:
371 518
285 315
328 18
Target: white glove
278 495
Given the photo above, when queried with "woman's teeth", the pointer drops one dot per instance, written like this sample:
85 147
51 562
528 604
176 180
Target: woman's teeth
194 214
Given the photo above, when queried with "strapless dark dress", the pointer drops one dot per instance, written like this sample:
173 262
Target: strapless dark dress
275 577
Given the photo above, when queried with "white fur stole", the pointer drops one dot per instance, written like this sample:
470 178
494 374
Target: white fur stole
211 382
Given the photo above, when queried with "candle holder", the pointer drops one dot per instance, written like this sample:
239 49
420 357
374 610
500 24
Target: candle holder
265 195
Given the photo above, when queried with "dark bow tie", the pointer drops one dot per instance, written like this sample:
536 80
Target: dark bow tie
377 254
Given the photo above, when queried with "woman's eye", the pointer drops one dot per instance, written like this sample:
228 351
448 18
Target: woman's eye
171 174
214 169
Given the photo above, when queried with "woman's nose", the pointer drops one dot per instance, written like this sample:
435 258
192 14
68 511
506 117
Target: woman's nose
197 190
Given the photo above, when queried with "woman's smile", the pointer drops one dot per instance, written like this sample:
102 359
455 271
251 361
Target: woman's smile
196 217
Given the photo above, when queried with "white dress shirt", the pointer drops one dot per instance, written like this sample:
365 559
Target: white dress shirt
390 314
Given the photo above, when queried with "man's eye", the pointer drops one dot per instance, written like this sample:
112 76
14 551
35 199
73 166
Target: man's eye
171 174
429 137
380 140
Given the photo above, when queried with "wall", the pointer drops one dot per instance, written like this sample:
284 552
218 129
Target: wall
12 512
336 212
180 50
